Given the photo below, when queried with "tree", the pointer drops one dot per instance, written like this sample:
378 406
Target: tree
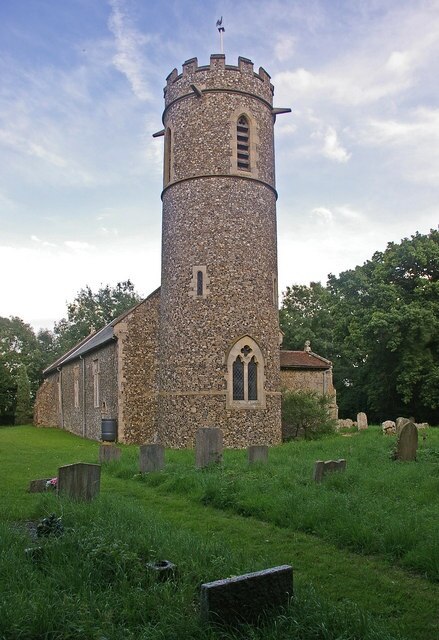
305 314
23 409
91 311
305 413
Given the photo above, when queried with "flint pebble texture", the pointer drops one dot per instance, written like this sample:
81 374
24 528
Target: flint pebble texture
245 598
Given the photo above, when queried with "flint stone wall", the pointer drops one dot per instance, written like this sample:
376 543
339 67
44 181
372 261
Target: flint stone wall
46 409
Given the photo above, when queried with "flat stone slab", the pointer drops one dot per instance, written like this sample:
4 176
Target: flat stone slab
152 458
208 447
80 481
108 453
244 598
38 486
257 453
321 468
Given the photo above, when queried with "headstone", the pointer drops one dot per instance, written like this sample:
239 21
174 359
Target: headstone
152 458
80 481
108 453
244 598
344 424
400 422
388 427
421 425
257 453
321 468
407 443
38 486
208 447
361 421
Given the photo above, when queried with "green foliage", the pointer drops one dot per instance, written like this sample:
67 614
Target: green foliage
91 311
51 525
23 409
305 413
379 324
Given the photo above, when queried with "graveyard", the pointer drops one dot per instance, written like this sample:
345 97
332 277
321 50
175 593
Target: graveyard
137 554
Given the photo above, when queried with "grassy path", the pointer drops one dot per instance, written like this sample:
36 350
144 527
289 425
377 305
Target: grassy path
405 602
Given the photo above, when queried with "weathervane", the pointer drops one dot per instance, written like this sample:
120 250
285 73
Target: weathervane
219 24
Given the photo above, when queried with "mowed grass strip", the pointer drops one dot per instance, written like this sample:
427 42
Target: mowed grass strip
329 578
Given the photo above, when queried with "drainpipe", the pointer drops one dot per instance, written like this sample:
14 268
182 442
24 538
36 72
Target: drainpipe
83 396
61 408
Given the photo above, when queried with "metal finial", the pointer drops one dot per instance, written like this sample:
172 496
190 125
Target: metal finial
219 24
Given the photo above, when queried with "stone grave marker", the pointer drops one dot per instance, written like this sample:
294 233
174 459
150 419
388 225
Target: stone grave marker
362 421
321 468
108 452
152 458
244 598
208 447
400 422
257 453
407 443
80 481
38 486
388 427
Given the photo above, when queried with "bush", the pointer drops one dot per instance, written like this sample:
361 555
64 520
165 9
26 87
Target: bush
305 413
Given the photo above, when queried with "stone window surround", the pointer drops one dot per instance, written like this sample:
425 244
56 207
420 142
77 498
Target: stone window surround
168 168
76 386
253 143
96 374
256 352
193 285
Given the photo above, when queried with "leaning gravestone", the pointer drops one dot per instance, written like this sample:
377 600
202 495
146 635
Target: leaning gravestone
152 458
108 452
407 443
257 453
244 598
321 468
208 447
362 421
80 481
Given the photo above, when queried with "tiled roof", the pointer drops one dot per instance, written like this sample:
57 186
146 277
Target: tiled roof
93 341
302 360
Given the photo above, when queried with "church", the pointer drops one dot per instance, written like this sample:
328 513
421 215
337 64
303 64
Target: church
203 350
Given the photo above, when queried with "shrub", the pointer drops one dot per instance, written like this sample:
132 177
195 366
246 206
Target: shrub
305 413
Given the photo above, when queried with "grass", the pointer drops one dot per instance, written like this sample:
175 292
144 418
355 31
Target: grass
92 581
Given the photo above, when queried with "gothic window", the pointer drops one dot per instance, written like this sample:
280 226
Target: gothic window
199 283
243 143
245 375
198 286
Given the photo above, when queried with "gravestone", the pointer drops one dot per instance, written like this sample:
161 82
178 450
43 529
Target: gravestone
80 481
407 443
321 468
38 486
152 458
244 598
400 422
108 453
362 421
388 427
208 447
257 453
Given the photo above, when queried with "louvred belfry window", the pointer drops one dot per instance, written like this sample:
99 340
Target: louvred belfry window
243 143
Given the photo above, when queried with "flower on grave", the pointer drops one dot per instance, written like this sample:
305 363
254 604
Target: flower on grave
52 483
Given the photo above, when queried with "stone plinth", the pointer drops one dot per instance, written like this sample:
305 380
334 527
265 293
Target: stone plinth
257 453
321 468
152 458
244 598
208 447
79 481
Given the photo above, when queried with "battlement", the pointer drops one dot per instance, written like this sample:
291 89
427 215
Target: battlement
219 75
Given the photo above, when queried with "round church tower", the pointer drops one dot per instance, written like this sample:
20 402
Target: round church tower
219 326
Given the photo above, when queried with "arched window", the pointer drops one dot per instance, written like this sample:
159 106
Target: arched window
245 375
243 143
199 283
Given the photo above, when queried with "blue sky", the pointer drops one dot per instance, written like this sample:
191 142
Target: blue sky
81 93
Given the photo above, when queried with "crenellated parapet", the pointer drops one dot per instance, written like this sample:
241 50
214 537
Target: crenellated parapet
219 76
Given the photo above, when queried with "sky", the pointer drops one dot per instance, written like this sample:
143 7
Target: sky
81 93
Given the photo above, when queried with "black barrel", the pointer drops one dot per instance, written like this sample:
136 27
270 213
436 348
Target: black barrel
109 429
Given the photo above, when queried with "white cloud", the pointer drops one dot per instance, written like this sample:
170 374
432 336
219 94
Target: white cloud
129 59
76 245
323 214
284 47
332 148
